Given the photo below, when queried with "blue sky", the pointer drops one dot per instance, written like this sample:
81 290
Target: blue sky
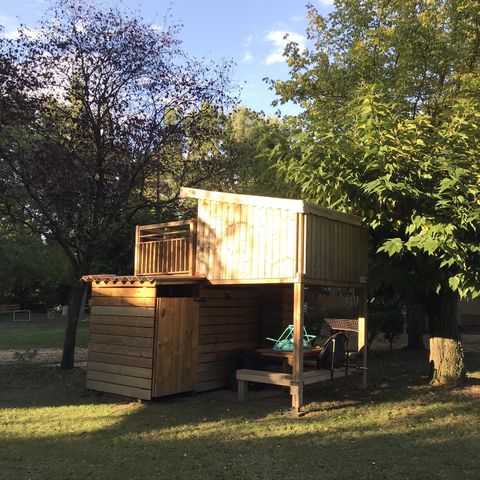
250 32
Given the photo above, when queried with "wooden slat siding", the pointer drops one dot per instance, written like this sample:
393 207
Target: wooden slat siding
244 242
225 328
126 391
120 347
114 359
124 292
276 311
201 235
215 311
335 251
120 369
223 347
124 302
227 337
117 379
215 357
122 330
250 245
228 324
214 258
125 321
228 364
124 311
142 352
280 258
242 246
124 340
223 373
236 247
207 319
231 267
269 241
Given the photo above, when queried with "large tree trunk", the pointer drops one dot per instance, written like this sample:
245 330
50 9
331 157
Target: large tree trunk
415 325
75 302
447 366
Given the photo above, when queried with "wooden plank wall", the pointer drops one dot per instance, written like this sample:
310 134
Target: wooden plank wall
228 324
335 250
276 311
245 242
120 347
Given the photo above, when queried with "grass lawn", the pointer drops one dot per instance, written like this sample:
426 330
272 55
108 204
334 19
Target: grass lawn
24 336
50 427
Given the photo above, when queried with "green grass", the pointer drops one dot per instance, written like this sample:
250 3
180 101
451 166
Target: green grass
401 428
24 336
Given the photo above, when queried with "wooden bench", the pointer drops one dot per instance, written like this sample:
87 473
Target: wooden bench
14 309
283 379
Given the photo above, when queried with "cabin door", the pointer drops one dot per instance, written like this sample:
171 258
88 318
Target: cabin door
176 340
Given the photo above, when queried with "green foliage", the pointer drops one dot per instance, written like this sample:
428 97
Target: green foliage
391 127
33 271
247 142
385 318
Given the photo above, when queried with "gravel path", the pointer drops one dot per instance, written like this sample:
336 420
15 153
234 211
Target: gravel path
43 355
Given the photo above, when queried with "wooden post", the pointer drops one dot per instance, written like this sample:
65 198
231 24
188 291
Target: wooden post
137 250
363 332
296 388
242 390
192 247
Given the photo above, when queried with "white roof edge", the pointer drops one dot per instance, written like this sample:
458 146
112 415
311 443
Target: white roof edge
298 206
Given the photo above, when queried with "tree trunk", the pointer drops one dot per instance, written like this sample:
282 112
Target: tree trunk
75 302
415 326
447 366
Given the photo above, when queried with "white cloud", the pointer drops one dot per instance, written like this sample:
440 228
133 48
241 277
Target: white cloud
248 41
158 28
326 3
279 39
11 28
247 57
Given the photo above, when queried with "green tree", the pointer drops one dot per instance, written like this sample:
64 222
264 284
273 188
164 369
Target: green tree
90 105
248 138
390 131
33 271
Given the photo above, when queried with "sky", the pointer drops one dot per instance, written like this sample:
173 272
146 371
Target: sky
249 32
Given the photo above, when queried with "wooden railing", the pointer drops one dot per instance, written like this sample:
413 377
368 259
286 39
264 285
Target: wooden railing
165 248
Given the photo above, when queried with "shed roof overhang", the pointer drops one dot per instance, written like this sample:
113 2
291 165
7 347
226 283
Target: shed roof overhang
146 280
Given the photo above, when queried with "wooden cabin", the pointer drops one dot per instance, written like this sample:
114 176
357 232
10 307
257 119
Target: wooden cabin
206 289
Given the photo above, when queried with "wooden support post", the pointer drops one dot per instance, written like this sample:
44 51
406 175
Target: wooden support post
242 390
296 388
137 250
363 332
192 252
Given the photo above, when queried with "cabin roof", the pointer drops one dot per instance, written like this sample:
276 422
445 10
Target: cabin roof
142 279
298 206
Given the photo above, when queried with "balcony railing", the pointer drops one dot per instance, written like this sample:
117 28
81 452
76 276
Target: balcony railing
165 248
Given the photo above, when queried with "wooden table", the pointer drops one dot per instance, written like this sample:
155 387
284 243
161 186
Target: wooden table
287 357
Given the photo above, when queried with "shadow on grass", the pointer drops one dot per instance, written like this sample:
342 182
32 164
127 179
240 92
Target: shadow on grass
199 438
398 429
